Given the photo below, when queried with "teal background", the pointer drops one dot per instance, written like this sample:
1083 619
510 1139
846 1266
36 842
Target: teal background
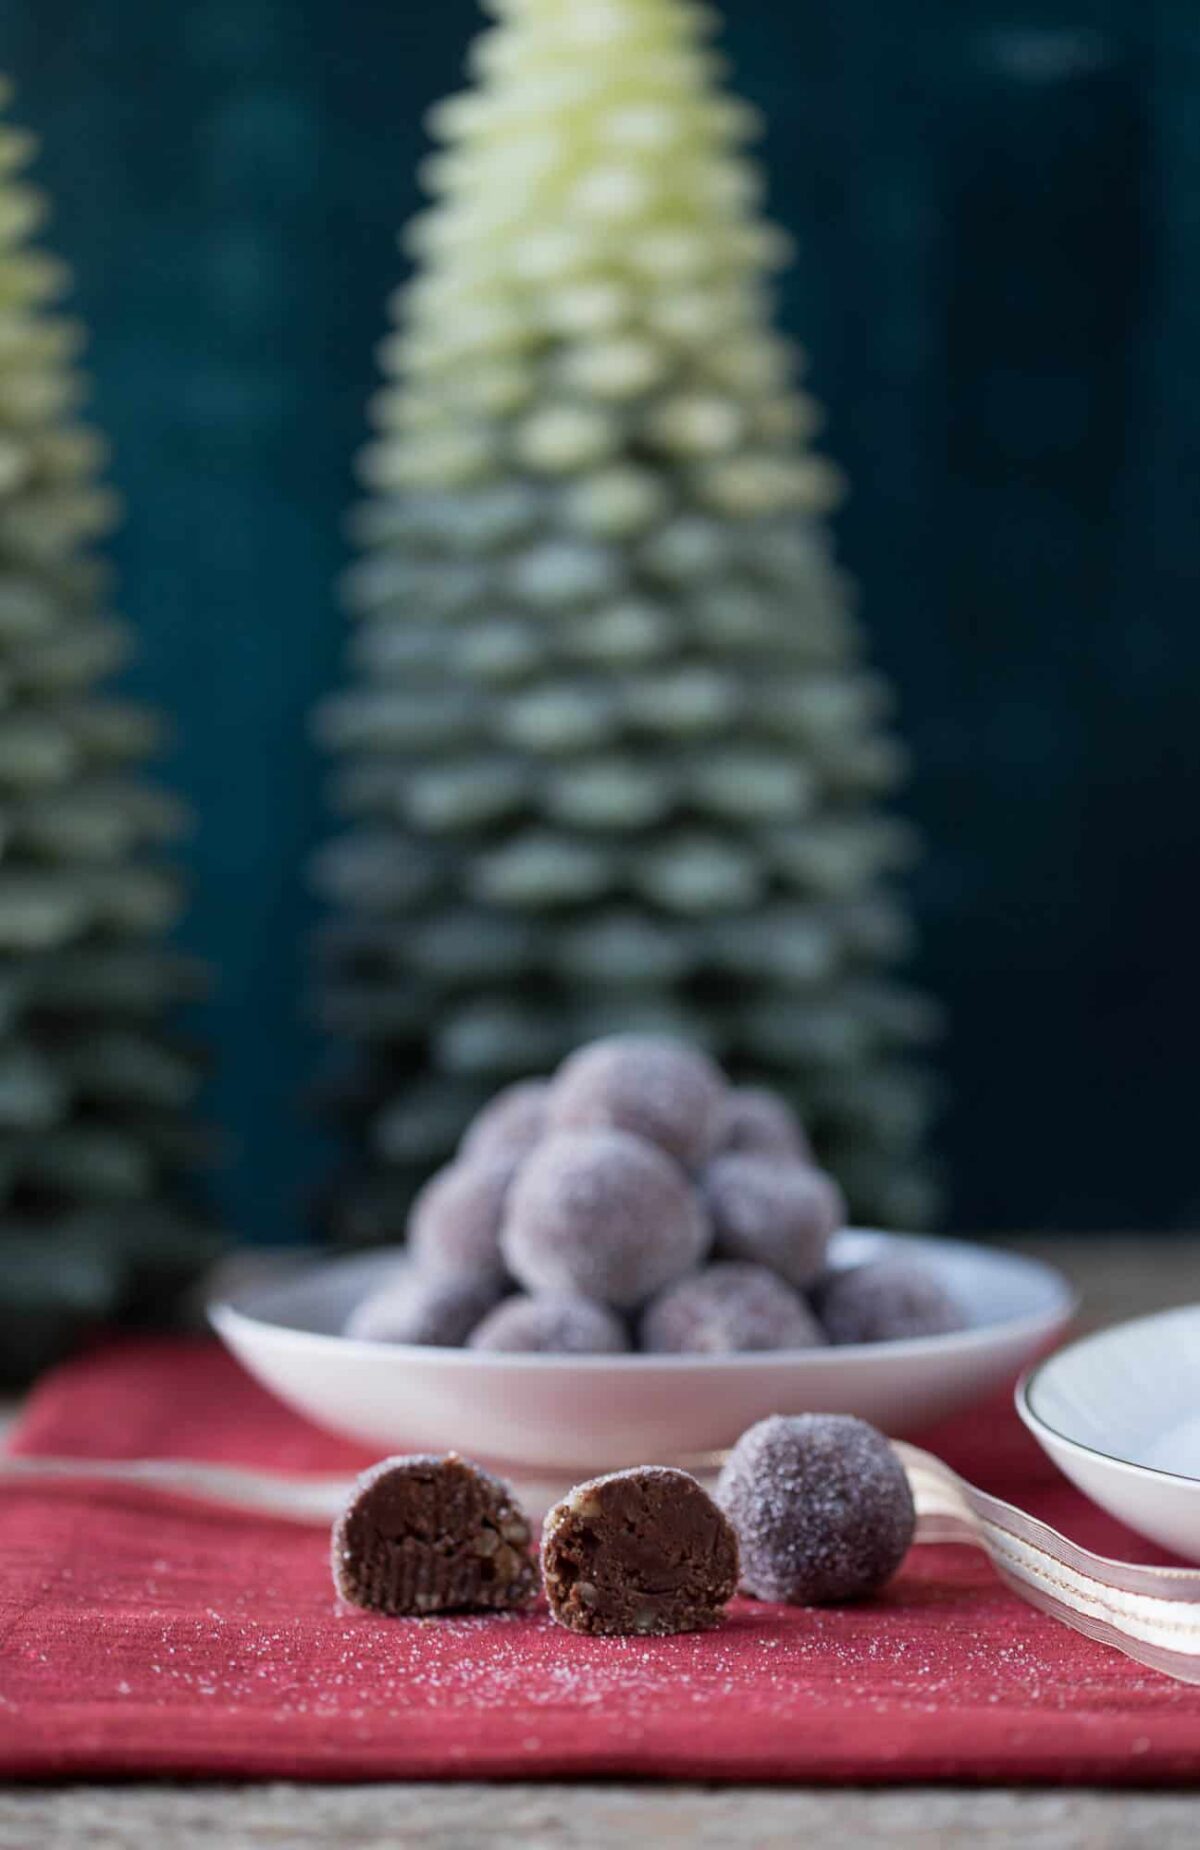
999 216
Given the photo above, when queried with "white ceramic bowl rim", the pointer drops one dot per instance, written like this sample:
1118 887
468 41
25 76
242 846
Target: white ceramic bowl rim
1027 1386
1055 1301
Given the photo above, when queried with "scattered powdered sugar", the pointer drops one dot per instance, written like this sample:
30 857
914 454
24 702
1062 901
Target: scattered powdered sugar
281 1655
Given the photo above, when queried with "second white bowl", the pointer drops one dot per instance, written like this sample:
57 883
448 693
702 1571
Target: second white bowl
1119 1413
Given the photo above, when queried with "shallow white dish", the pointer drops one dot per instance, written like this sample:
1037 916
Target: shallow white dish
1119 1413
543 1413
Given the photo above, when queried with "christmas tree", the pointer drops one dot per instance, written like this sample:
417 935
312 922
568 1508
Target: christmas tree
93 1090
610 756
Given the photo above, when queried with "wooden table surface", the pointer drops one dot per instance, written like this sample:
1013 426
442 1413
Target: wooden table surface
1118 1276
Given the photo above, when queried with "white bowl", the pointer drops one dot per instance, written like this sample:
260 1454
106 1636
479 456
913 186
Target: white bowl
1119 1413
583 1414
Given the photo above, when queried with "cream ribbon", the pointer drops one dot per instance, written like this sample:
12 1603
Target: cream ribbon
1150 1613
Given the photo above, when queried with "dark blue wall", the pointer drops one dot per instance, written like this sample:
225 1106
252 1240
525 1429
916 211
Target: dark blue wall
1000 263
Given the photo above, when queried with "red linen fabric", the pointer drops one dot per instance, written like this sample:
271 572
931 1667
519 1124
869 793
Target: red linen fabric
145 1637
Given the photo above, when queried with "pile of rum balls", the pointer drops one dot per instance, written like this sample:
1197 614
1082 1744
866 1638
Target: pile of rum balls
636 1200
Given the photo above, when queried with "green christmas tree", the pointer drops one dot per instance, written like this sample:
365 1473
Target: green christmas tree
93 1091
611 756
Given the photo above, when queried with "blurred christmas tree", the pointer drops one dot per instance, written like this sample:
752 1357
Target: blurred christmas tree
93 1091
611 755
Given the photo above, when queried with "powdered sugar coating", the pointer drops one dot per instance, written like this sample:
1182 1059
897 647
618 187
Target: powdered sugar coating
773 1211
667 1093
887 1300
513 1120
757 1122
821 1505
425 1308
454 1227
728 1309
551 1324
601 1214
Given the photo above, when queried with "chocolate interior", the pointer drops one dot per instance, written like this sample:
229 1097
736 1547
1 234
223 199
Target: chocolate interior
645 1550
427 1535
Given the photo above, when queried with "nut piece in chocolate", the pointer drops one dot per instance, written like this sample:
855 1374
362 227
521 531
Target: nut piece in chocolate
643 1551
427 1535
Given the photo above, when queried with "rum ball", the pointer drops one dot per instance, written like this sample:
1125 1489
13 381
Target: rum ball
727 1309
601 1214
888 1300
773 1211
821 1506
550 1324
660 1090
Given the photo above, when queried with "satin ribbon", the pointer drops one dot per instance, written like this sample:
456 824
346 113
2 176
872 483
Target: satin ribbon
1152 1614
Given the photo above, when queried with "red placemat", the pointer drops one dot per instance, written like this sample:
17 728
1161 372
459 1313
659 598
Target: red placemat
139 1636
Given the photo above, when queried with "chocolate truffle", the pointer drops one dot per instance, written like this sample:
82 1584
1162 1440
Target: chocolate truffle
757 1122
660 1090
886 1301
553 1324
513 1120
427 1535
600 1214
772 1211
821 1505
645 1550
419 1307
454 1226
726 1309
